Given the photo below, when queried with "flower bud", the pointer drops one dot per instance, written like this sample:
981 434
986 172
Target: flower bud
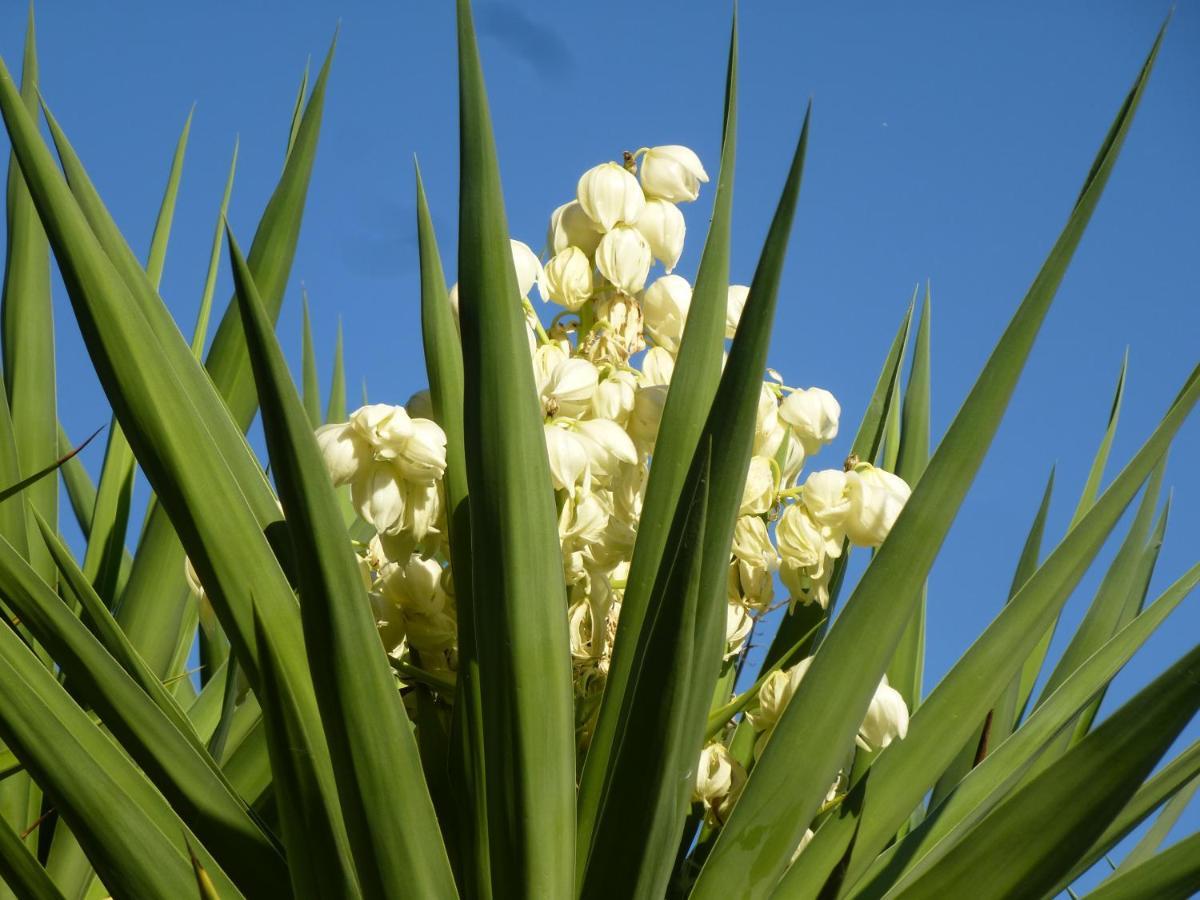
775 694
624 258
647 414
571 227
608 194
826 498
672 172
887 719
759 491
714 775
665 307
344 450
735 303
614 397
414 586
657 366
527 266
813 414
661 224
876 498
568 278
738 625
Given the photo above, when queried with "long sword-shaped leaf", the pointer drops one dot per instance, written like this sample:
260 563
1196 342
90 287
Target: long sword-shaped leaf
693 386
444 366
1145 848
1173 874
308 367
824 714
20 870
1007 712
1033 666
335 411
1068 805
988 783
660 732
127 829
172 758
389 815
204 313
907 666
27 327
801 619
524 659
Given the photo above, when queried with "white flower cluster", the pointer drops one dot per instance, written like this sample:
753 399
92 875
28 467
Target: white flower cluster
602 368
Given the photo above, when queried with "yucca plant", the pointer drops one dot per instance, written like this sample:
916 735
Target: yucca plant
414 681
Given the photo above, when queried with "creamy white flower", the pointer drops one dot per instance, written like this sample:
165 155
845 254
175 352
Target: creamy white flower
381 423
379 496
661 224
802 541
735 303
887 719
422 457
345 451
665 307
672 172
571 227
569 387
619 328
527 266
624 258
714 775
759 492
582 520
738 624
755 562
607 445
813 414
414 586
568 278
647 414
826 497
775 694
875 500
658 365
768 431
568 456
614 397
793 457
609 194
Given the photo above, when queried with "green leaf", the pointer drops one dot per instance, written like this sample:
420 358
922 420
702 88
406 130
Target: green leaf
1068 804
693 386
1145 848
823 716
163 745
27 326
866 445
1164 784
298 109
24 483
1173 874
157 256
317 865
127 829
1009 709
660 731
204 885
336 410
1033 666
81 490
444 366
525 662
200 332
907 666
990 781
308 368
389 815
21 872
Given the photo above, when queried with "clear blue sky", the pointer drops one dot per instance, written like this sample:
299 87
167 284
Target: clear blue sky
948 142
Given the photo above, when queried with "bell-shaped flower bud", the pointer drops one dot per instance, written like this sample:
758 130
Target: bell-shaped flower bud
568 279
571 227
734 305
608 194
345 451
665 307
887 719
661 224
826 497
714 775
624 258
875 500
614 397
758 494
528 268
813 414
672 173
568 457
658 365
775 694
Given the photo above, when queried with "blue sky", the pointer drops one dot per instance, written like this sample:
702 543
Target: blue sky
948 142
